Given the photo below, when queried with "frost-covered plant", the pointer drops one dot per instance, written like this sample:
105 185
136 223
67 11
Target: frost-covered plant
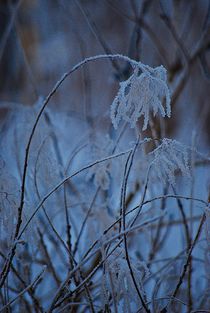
169 157
73 214
9 195
117 280
101 173
144 92
101 177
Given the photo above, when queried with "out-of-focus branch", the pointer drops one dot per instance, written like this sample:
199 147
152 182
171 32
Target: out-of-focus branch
149 31
9 27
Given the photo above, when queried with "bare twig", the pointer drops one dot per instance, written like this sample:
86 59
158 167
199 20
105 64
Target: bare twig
36 280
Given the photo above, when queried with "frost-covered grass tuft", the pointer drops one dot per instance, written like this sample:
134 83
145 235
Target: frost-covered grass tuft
169 157
144 92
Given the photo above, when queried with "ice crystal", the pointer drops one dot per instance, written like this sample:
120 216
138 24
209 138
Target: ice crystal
169 157
145 91
118 279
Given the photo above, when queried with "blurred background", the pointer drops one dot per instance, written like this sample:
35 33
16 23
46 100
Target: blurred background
40 40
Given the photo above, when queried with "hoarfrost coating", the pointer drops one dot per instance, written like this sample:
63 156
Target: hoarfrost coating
144 92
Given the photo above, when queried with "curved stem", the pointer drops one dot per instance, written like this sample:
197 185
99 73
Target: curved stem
7 264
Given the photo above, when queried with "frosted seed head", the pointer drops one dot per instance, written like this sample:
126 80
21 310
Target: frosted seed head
145 91
169 157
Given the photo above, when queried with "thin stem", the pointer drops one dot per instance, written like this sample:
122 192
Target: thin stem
184 270
36 280
12 252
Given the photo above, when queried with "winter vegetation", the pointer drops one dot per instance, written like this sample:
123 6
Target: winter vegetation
104 156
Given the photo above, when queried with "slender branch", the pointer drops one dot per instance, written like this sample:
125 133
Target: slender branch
184 270
36 280
11 254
